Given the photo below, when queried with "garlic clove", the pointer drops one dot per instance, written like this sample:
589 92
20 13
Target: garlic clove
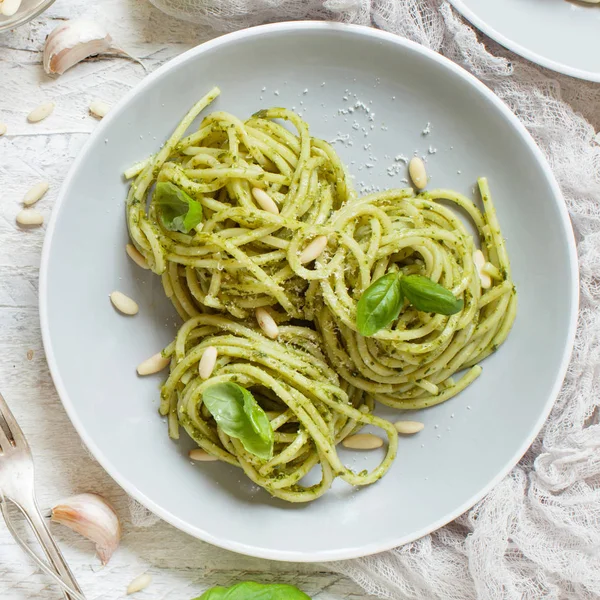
71 42
74 41
92 517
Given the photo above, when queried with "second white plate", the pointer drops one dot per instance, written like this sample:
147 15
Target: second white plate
557 34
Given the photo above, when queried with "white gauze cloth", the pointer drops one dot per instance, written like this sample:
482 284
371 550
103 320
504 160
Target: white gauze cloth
537 534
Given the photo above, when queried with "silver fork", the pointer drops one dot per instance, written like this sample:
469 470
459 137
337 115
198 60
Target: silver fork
17 487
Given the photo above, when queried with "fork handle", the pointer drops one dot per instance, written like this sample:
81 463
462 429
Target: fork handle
42 533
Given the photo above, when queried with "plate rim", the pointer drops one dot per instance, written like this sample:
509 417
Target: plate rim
256 550
521 50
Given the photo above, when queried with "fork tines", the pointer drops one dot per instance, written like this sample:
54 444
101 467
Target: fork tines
11 435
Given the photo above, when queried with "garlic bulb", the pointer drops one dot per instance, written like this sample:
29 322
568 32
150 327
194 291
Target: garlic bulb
92 517
74 41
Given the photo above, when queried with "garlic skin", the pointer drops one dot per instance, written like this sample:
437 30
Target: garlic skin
74 41
92 517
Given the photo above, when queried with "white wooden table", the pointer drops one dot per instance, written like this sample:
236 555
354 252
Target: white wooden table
181 566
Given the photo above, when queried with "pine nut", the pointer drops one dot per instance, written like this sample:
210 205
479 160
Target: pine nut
208 362
10 7
417 172
35 193
267 323
408 427
136 256
363 441
124 303
99 109
139 583
492 271
314 249
41 112
201 455
3 129
479 261
152 365
30 218
265 201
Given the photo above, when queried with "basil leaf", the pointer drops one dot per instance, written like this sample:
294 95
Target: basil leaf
379 305
254 591
216 593
178 212
429 296
239 415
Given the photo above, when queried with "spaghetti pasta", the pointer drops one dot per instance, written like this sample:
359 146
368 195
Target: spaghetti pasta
273 223
236 261
309 411
411 364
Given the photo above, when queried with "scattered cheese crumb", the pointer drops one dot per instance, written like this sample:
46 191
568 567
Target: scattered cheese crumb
343 138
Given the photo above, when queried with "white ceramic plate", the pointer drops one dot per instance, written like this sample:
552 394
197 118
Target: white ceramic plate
322 70
558 34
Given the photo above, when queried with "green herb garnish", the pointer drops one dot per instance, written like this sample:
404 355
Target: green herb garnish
239 415
429 296
381 303
178 212
254 591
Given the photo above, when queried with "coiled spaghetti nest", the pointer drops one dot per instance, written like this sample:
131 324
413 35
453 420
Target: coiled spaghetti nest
238 259
411 363
310 412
